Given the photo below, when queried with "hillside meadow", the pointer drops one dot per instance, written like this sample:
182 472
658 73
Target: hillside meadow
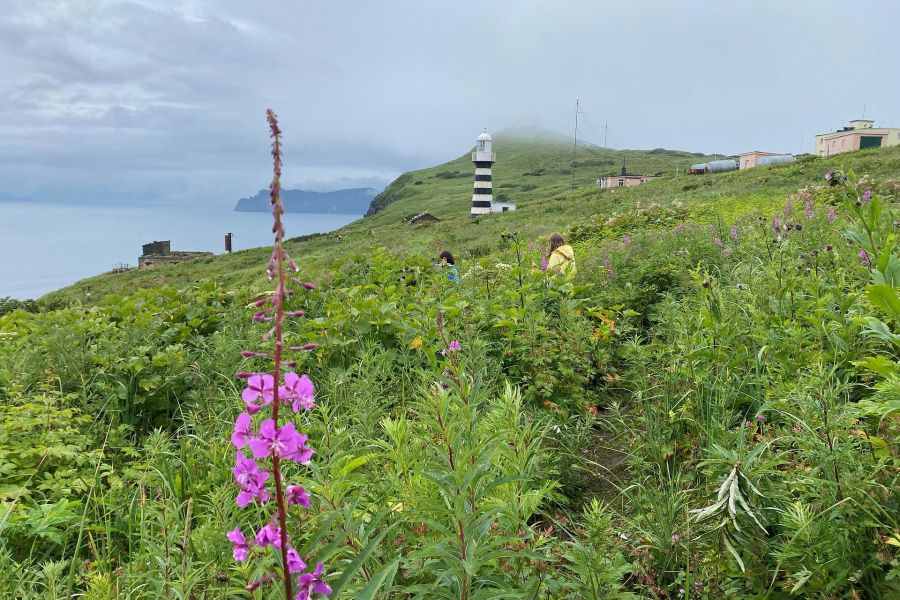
708 408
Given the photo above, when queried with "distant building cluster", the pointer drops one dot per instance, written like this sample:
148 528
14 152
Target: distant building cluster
858 135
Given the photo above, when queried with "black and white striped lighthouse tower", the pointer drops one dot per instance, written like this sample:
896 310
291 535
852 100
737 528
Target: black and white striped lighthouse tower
483 194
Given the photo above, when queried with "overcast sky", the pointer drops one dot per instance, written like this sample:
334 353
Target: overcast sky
164 100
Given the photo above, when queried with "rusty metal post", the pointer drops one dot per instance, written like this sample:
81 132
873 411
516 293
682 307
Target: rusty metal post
228 243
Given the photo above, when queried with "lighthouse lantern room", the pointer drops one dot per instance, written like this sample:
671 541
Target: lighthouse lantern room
482 194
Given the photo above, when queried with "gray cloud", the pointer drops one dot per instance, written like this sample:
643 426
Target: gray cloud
164 100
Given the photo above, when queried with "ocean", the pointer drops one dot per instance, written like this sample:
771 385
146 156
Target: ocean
45 246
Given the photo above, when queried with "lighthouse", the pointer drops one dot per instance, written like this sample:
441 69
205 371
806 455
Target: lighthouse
483 193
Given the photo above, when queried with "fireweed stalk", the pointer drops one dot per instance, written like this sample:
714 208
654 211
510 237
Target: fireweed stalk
268 440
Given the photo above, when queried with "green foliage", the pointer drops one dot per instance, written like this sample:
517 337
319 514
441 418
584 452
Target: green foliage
708 408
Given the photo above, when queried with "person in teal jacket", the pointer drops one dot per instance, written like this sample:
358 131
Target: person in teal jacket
446 260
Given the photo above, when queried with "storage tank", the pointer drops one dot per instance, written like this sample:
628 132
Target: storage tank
720 166
778 159
698 167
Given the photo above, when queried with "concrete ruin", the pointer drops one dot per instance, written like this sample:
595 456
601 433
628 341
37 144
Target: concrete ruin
160 253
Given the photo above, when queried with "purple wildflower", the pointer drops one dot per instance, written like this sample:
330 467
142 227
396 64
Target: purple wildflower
676 538
864 258
626 240
776 224
283 441
454 346
734 233
760 417
251 480
270 535
296 495
544 263
718 242
239 547
258 385
829 175
311 583
788 207
679 228
295 563
531 245
242 432
831 216
867 195
300 389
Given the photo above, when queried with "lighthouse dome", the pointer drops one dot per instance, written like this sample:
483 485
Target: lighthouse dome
484 137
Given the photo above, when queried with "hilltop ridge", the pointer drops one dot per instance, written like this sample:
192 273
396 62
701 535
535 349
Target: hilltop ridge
530 164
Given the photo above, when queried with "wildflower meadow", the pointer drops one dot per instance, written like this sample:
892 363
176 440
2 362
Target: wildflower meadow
708 408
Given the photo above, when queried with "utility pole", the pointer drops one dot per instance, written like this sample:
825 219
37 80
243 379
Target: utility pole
864 111
605 131
575 143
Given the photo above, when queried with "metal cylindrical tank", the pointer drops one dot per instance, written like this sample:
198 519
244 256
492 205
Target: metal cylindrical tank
720 166
778 159
698 167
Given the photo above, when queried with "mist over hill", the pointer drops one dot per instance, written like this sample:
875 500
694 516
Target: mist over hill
351 201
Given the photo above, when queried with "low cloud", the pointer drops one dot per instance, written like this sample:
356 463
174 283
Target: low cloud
164 100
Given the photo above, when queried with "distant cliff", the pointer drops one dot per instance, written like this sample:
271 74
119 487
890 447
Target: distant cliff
353 201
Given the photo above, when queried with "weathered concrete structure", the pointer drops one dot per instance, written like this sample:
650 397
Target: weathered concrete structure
160 253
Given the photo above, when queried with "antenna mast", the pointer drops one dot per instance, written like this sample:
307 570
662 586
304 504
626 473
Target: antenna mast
575 143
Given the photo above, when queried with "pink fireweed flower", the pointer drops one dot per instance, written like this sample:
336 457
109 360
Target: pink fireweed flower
864 258
734 233
296 495
718 242
867 195
776 224
626 240
311 583
298 391
831 216
760 417
454 346
239 547
251 479
530 245
544 264
270 535
788 207
302 453
809 209
242 432
259 385
279 441
295 563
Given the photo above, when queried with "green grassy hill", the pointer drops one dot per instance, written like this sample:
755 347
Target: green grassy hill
707 407
552 206
527 170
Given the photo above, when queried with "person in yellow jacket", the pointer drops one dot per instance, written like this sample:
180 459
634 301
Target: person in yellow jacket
562 257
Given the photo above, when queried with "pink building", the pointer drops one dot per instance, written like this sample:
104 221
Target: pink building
748 160
622 180
860 134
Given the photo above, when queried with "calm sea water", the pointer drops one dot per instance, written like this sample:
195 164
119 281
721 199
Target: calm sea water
44 247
